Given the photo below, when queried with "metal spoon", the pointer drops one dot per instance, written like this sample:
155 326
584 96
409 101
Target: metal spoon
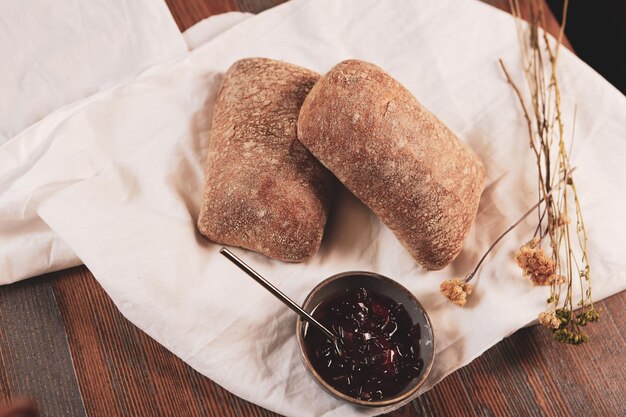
276 292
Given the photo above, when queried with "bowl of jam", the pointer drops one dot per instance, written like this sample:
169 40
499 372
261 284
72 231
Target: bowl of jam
383 347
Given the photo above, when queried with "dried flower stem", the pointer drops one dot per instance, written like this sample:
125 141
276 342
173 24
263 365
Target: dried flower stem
556 186
471 275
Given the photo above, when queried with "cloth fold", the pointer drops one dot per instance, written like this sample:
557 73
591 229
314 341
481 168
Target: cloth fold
27 245
58 52
129 209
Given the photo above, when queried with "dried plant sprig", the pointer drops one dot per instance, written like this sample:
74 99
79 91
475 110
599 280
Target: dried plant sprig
457 290
544 121
566 264
535 264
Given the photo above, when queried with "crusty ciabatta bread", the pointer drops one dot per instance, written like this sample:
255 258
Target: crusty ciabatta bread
395 156
264 191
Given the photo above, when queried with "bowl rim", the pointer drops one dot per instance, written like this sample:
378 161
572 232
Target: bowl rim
328 387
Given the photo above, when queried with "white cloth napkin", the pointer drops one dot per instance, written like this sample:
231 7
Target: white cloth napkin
119 178
28 246
57 52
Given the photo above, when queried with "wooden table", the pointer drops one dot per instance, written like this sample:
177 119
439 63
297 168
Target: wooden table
64 344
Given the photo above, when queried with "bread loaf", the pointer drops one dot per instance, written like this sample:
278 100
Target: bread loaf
395 156
263 190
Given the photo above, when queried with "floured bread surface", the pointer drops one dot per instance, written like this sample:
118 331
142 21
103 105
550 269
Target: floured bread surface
395 156
264 191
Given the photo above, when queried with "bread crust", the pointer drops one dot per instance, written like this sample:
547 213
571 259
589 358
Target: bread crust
396 157
263 190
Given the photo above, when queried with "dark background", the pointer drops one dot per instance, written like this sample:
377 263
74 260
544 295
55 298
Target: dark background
597 31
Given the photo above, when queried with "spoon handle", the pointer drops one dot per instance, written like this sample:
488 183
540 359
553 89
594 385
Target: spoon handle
276 292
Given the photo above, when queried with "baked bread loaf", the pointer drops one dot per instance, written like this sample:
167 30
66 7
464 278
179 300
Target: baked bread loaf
395 156
263 189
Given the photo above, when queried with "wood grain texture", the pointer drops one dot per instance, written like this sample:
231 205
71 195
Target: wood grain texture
64 343
530 374
189 12
124 372
35 360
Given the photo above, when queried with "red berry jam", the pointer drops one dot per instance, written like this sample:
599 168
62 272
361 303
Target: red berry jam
376 353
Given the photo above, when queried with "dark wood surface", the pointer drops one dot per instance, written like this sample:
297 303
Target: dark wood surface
64 344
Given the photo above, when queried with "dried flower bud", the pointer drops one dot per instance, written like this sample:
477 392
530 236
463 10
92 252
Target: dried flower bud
587 316
563 220
549 320
456 290
584 273
535 264
567 336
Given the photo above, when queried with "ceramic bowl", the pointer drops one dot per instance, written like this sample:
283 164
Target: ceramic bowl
389 288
